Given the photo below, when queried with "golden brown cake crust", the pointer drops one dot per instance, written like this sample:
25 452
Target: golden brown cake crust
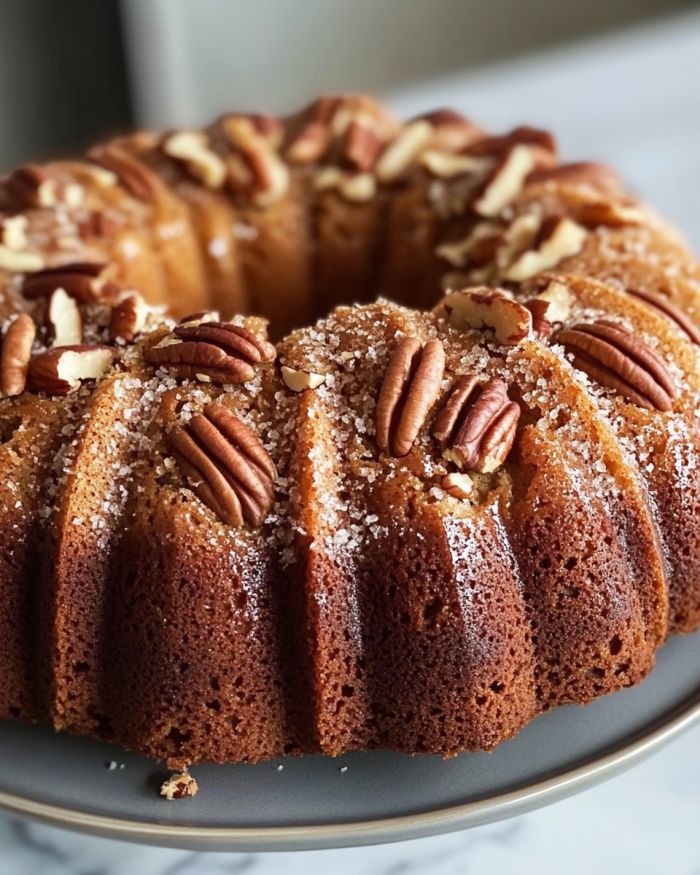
460 489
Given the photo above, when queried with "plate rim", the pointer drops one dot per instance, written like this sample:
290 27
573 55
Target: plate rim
436 821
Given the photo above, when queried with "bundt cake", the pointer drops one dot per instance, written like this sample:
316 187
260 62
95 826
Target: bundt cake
338 432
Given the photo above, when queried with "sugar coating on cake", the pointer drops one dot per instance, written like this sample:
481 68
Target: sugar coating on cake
369 433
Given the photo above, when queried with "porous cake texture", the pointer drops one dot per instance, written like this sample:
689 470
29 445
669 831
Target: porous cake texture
338 432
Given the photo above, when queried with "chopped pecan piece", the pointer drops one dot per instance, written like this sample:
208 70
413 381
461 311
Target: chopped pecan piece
585 173
550 306
356 187
200 317
254 168
362 144
616 358
400 154
62 369
410 388
128 317
16 354
180 785
458 485
483 307
226 465
661 304
65 324
35 186
476 427
138 179
505 181
211 352
193 151
558 238
82 280
13 232
20 262
542 143
299 381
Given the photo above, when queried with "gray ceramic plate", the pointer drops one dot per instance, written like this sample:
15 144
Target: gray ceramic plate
357 799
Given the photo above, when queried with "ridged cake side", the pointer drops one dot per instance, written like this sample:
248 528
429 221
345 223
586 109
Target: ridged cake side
232 557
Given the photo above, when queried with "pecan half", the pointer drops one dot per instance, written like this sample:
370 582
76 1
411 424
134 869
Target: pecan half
476 427
62 369
410 388
80 280
616 358
211 352
16 354
35 186
226 465
662 305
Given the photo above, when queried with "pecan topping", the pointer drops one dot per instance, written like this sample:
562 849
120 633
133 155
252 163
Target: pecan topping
133 174
357 187
362 144
558 238
193 151
64 322
62 369
410 388
661 304
226 465
80 280
586 173
541 142
476 427
458 485
614 357
212 352
548 307
20 262
16 353
404 150
34 186
505 181
254 168
300 381
482 307
13 232
180 785
128 317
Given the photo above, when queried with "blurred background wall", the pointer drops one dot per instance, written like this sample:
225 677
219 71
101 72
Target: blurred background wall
72 71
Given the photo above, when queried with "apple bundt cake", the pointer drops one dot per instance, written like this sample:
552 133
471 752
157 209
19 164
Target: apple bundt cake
338 432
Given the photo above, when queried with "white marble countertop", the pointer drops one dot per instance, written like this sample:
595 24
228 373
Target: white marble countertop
632 99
